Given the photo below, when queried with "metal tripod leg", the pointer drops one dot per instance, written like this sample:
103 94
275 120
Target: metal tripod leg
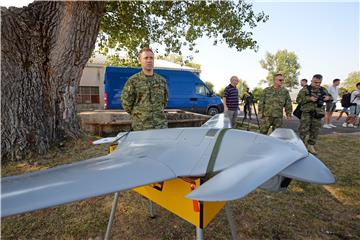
242 122
248 122
199 233
248 125
257 119
231 221
151 209
112 215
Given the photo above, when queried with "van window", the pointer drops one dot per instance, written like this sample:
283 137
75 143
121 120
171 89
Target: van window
202 90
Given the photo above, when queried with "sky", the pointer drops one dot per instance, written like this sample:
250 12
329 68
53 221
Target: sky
323 34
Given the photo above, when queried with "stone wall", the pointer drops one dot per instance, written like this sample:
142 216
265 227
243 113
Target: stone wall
110 122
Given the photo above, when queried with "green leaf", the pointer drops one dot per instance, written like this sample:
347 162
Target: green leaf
131 25
283 62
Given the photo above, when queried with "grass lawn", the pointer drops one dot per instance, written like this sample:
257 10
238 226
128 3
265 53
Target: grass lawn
305 212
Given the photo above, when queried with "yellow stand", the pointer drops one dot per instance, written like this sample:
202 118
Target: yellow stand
171 196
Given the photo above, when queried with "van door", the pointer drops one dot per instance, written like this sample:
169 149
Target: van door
114 81
202 98
180 90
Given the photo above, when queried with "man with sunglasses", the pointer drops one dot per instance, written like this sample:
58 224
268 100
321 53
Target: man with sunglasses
272 102
312 100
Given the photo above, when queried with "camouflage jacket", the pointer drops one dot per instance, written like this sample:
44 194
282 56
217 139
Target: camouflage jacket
307 105
272 102
145 98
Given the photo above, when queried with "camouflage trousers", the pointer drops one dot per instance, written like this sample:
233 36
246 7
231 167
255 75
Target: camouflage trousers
139 126
309 126
267 122
142 120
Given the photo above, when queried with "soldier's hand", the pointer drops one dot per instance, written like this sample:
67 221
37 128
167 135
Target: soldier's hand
313 99
326 98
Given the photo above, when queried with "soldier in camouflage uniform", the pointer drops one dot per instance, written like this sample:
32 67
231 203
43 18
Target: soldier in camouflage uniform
145 95
272 101
311 99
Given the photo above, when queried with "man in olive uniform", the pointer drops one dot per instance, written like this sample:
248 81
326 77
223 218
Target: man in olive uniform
272 101
312 100
303 82
145 95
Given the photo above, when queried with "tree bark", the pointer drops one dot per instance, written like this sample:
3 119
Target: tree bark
44 49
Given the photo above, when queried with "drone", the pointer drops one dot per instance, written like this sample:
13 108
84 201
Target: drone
233 163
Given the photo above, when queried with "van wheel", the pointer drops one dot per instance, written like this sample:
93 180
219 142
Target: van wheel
213 111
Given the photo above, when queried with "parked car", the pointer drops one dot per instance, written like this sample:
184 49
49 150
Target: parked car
186 90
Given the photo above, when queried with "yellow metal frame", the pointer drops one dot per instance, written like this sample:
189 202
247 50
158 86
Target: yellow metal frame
171 196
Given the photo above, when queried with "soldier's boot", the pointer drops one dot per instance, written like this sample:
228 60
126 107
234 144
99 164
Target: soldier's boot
311 149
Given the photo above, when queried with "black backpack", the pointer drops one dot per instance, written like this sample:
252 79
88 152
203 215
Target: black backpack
345 100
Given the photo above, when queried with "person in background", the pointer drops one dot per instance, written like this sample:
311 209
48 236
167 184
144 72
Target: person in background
248 99
303 82
331 105
312 100
344 104
231 100
145 95
271 104
354 107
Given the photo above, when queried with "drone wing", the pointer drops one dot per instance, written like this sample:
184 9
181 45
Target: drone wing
141 158
261 161
78 181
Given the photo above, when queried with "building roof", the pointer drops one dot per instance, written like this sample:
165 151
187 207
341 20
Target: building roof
99 61
163 64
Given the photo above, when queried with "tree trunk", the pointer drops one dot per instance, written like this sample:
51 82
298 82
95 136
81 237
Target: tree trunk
44 49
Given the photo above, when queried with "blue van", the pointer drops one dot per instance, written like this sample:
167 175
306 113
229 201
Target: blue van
186 90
